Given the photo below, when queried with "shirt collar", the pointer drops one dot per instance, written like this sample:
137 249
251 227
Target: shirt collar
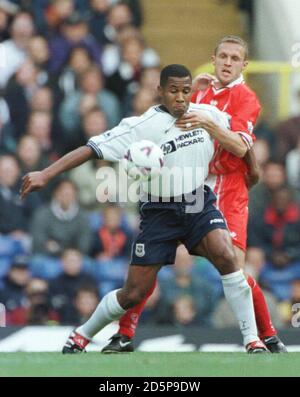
239 80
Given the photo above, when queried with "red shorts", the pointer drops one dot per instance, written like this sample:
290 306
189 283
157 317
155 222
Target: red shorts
232 201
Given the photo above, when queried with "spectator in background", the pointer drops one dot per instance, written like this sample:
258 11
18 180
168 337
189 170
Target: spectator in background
264 131
40 127
293 168
29 154
112 240
185 311
39 53
223 318
142 101
12 295
14 213
55 14
112 54
74 31
150 79
98 14
63 289
18 94
85 303
7 138
262 152
43 105
42 100
156 310
84 176
61 224
189 297
118 17
7 10
94 123
287 136
277 234
91 94
273 177
15 48
124 82
79 61
37 310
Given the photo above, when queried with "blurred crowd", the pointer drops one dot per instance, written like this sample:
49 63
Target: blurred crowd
71 69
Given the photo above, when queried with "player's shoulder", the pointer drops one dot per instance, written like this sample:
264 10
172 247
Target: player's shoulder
242 90
202 106
150 114
213 112
210 109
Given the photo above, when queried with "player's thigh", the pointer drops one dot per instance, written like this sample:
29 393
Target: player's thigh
217 247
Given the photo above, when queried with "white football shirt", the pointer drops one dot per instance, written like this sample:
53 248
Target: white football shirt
187 154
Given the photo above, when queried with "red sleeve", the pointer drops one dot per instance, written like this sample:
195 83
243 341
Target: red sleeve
244 112
194 97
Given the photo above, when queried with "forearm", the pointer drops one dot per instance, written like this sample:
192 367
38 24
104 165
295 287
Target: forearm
251 161
252 177
69 161
39 179
230 141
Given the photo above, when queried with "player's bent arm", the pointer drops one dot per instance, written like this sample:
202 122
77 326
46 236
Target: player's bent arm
37 180
229 140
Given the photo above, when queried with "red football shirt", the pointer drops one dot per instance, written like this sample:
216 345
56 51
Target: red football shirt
242 107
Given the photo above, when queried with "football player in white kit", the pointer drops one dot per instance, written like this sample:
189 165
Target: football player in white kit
165 221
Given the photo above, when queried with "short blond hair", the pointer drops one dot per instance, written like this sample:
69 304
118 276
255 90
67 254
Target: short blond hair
235 40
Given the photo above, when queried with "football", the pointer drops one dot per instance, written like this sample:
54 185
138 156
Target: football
143 160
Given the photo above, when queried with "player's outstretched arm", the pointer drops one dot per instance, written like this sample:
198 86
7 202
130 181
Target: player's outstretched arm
37 180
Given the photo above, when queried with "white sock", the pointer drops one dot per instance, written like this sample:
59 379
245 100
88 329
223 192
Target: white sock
239 296
107 311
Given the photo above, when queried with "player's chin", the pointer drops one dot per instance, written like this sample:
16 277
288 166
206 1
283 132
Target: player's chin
225 80
179 111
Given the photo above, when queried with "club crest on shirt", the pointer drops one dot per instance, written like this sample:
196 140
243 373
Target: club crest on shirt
140 250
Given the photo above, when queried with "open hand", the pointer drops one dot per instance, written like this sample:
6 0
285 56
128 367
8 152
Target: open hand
32 181
202 80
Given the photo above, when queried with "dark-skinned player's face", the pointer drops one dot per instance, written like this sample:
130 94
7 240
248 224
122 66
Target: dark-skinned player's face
176 95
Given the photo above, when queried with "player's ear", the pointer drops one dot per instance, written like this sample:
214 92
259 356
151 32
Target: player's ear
213 59
245 64
160 90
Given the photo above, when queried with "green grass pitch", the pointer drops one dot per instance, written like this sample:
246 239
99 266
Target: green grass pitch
149 364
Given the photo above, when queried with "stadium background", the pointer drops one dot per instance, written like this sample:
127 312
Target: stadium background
60 250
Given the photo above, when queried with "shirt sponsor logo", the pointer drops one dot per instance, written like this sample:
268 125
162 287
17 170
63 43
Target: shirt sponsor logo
168 147
183 140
